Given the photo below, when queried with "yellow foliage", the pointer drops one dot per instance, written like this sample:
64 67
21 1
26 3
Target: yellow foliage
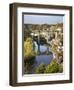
28 47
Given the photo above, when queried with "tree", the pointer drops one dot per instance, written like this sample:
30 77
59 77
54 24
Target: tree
57 49
40 69
28 47
53 67
29 55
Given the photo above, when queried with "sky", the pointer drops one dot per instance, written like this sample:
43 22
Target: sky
42 19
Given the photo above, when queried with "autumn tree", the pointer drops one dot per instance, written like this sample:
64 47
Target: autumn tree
29 54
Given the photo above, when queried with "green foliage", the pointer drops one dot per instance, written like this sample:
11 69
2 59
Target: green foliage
61 67
29 55
53 67
40 69
28 48
28 63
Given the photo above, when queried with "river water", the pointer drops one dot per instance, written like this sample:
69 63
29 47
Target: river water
43 58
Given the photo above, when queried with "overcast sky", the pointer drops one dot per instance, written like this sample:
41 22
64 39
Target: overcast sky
42 19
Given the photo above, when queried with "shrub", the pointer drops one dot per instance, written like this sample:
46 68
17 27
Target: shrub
53 67
61 67
40 69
